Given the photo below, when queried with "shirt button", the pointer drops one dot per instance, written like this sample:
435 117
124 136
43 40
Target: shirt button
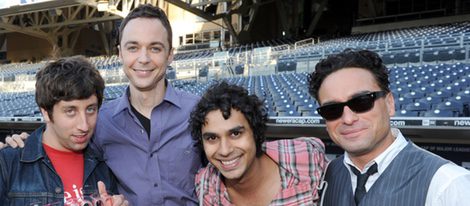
142 131
58 190
151 155
155 185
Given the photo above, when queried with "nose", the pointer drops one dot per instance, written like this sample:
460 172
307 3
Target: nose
225 147
83 123
348 116
143 56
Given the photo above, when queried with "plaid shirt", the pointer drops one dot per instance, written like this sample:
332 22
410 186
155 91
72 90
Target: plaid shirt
301 162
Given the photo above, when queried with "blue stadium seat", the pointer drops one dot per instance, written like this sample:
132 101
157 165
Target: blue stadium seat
405 113
438 113
417 106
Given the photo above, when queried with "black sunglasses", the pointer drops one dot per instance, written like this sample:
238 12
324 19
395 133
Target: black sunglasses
358 104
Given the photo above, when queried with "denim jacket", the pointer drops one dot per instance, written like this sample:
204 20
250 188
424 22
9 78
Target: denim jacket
27 176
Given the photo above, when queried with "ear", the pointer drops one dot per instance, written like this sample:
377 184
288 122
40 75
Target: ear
390 102
119 52
45 115
170 56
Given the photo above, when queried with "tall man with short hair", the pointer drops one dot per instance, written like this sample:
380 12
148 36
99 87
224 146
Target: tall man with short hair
149 123
380 166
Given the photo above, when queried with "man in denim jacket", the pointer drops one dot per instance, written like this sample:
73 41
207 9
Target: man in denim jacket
56 166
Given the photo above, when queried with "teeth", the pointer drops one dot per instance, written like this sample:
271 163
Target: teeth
229 162
143 70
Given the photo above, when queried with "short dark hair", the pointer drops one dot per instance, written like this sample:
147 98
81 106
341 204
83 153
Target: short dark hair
363 59
151 12
224 97
67 79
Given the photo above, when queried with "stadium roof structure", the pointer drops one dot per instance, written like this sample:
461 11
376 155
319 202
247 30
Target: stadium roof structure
54 20
60 21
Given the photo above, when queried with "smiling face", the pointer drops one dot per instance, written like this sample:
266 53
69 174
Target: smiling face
229 144
363 135
72 124
145 52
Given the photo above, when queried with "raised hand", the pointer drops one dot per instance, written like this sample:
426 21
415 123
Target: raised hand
108 200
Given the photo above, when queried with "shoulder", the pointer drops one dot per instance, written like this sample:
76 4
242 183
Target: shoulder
206 179
448 173
298 145
206 173
450 184
303 156
10 152
10 156
106 107
187 97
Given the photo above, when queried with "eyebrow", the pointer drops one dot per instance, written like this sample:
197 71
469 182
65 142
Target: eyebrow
235 129
75 107
152 43
208 134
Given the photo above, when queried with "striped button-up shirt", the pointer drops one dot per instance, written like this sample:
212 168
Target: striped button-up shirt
301 164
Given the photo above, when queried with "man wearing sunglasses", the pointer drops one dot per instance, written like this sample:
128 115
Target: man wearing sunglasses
380 166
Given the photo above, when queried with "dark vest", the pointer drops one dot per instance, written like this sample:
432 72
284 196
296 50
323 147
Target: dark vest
404 182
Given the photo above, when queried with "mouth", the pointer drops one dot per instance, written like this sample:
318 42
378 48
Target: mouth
230 164
80 139
143 70
351 133
143 73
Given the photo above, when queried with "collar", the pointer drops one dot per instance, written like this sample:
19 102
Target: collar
171 96
386 157
33 150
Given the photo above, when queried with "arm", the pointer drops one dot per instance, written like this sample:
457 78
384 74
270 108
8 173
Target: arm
317 158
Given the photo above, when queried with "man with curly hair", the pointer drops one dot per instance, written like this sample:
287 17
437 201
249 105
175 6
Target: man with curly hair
229 124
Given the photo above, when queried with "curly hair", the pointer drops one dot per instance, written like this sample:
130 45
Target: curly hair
67 79
224 97
363 59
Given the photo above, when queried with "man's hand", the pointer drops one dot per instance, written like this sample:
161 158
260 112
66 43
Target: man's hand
16 140
115 200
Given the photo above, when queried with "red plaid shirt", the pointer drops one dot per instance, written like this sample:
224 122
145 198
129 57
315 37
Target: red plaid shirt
301 162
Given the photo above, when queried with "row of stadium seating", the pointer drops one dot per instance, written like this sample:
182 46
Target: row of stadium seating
421 44
421 91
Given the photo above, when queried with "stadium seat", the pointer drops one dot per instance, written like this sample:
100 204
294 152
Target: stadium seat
438 113
405 113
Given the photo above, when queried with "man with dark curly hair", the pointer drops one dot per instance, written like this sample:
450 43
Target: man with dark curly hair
243 169
379 166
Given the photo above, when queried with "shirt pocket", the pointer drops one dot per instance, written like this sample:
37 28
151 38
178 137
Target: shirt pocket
181 164
34 199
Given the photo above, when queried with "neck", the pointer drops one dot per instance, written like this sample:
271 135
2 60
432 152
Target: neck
262 180
145 101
